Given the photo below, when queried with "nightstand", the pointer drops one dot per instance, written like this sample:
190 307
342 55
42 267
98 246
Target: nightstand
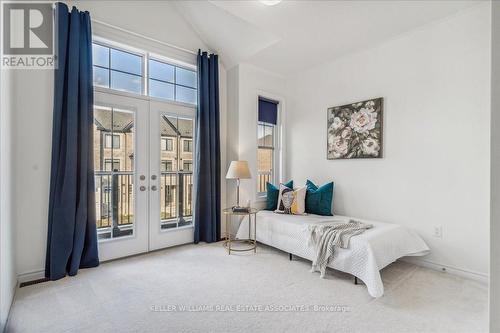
249 243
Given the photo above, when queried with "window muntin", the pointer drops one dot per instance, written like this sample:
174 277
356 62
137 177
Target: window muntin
185 77
167 144
265 155
172 82
100 55
161 89
185 95
161 71
187 146
101 77
126 62
117 69
111 165
112 141
126 82
267 127
187 165
166 165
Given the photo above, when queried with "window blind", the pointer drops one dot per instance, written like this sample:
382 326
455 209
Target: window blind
268 111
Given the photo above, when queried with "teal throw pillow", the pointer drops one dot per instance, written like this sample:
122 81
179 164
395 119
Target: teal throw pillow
319 199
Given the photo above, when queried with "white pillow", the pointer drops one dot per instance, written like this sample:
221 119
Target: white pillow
291 201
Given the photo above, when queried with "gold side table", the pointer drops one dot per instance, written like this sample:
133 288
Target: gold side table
250 242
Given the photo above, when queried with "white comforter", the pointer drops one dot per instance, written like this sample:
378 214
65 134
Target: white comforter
367 254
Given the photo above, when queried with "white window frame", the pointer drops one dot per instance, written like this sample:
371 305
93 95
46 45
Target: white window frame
126 49
175 64
145 56
272 148
116 39
278 156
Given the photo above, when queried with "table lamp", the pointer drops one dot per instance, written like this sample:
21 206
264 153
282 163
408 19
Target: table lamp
238 170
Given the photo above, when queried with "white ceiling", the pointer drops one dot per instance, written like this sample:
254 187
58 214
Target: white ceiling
295 35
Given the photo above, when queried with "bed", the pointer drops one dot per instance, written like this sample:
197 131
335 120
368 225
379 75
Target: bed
366 255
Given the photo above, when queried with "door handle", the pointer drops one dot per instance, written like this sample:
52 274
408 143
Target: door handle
153 188
142 188
153 177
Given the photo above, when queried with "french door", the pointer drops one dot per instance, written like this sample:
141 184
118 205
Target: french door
171 157
143 160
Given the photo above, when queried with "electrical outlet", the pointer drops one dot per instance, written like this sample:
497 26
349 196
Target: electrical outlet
438 231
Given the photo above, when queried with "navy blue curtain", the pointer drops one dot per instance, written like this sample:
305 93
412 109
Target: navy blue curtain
72 235
207 208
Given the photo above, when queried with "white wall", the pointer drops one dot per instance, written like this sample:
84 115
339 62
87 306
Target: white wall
435 170
33 115
232 140
246 83
8 279
155 19
495 171
31 157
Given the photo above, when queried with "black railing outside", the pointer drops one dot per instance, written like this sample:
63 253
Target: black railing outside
114 192
263 178
176 198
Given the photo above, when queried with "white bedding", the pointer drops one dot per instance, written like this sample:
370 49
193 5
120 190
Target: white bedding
367 254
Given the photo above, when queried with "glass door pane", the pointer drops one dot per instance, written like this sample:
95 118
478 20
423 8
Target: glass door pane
120 156
172 153
176 172
114 171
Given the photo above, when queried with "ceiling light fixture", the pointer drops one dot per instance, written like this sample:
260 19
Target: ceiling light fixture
270 2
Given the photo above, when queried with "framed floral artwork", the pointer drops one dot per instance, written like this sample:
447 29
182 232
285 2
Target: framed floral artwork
355 130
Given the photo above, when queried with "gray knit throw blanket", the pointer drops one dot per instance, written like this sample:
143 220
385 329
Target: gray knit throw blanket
325 237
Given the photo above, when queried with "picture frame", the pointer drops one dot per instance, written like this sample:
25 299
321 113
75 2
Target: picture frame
355 130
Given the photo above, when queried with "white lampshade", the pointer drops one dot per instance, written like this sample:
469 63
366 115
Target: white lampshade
238 170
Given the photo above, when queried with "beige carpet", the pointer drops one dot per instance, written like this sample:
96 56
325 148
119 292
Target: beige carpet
271 293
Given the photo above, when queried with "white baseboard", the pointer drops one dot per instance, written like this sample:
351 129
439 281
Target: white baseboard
30 276
476 276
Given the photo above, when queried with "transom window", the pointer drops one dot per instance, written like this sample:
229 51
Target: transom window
125 71
171 82
116 69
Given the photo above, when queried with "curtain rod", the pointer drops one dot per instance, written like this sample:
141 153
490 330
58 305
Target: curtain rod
145 37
